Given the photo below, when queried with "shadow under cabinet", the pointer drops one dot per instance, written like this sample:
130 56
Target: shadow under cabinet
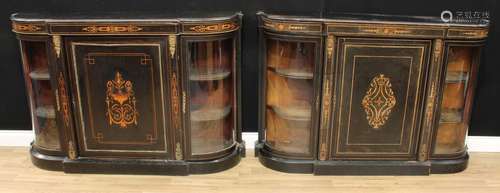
155 94
366 94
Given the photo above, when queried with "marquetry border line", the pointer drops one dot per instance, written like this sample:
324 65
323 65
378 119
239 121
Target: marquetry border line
199 28
386 30
467 33
328 100
430 105
28 28
111 28
293 27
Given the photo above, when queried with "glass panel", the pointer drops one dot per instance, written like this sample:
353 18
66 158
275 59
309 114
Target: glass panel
41 95
211 95
453 123
290 67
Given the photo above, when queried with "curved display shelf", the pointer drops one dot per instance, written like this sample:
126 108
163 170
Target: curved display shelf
40 74
455 77
293 113
208 77
210 114
451 116
292 73
46 111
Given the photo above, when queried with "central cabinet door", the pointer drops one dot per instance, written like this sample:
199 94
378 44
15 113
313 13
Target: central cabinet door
379 92
120 96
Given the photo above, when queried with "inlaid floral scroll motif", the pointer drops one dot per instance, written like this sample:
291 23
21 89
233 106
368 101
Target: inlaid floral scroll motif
120 101
378 101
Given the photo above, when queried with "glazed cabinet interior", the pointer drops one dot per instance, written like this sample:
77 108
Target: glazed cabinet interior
359 96
41 93
141 96
459 74
210 65
291 73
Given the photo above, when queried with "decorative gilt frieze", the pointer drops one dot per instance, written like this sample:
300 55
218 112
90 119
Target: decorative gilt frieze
467 33
63 95
176 117
327 98
111 29
293 27
172 41
385 30
18 27
120 101
175 102
379 101
56 41
378 30
220 27
431 100
423 153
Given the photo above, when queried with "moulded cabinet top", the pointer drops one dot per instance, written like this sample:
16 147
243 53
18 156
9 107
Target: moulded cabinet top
117 23
332 17
377 25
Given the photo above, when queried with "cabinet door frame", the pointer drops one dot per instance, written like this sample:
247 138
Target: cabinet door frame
314 130
185 93
471 86
160 76
335 128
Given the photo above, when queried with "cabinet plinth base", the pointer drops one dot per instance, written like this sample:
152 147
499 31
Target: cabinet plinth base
447 166
46 162
136 166
351 167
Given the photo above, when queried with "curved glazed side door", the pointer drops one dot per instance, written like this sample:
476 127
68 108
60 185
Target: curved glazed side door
210 94
120 96
459 75
290 99
42 89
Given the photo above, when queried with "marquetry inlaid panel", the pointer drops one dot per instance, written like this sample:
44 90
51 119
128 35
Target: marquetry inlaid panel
120 97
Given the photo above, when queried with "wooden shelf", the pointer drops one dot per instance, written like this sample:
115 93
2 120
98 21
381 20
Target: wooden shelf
293 113
207 77
454 77
210 114
451 116
292 73
40 74
47 112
